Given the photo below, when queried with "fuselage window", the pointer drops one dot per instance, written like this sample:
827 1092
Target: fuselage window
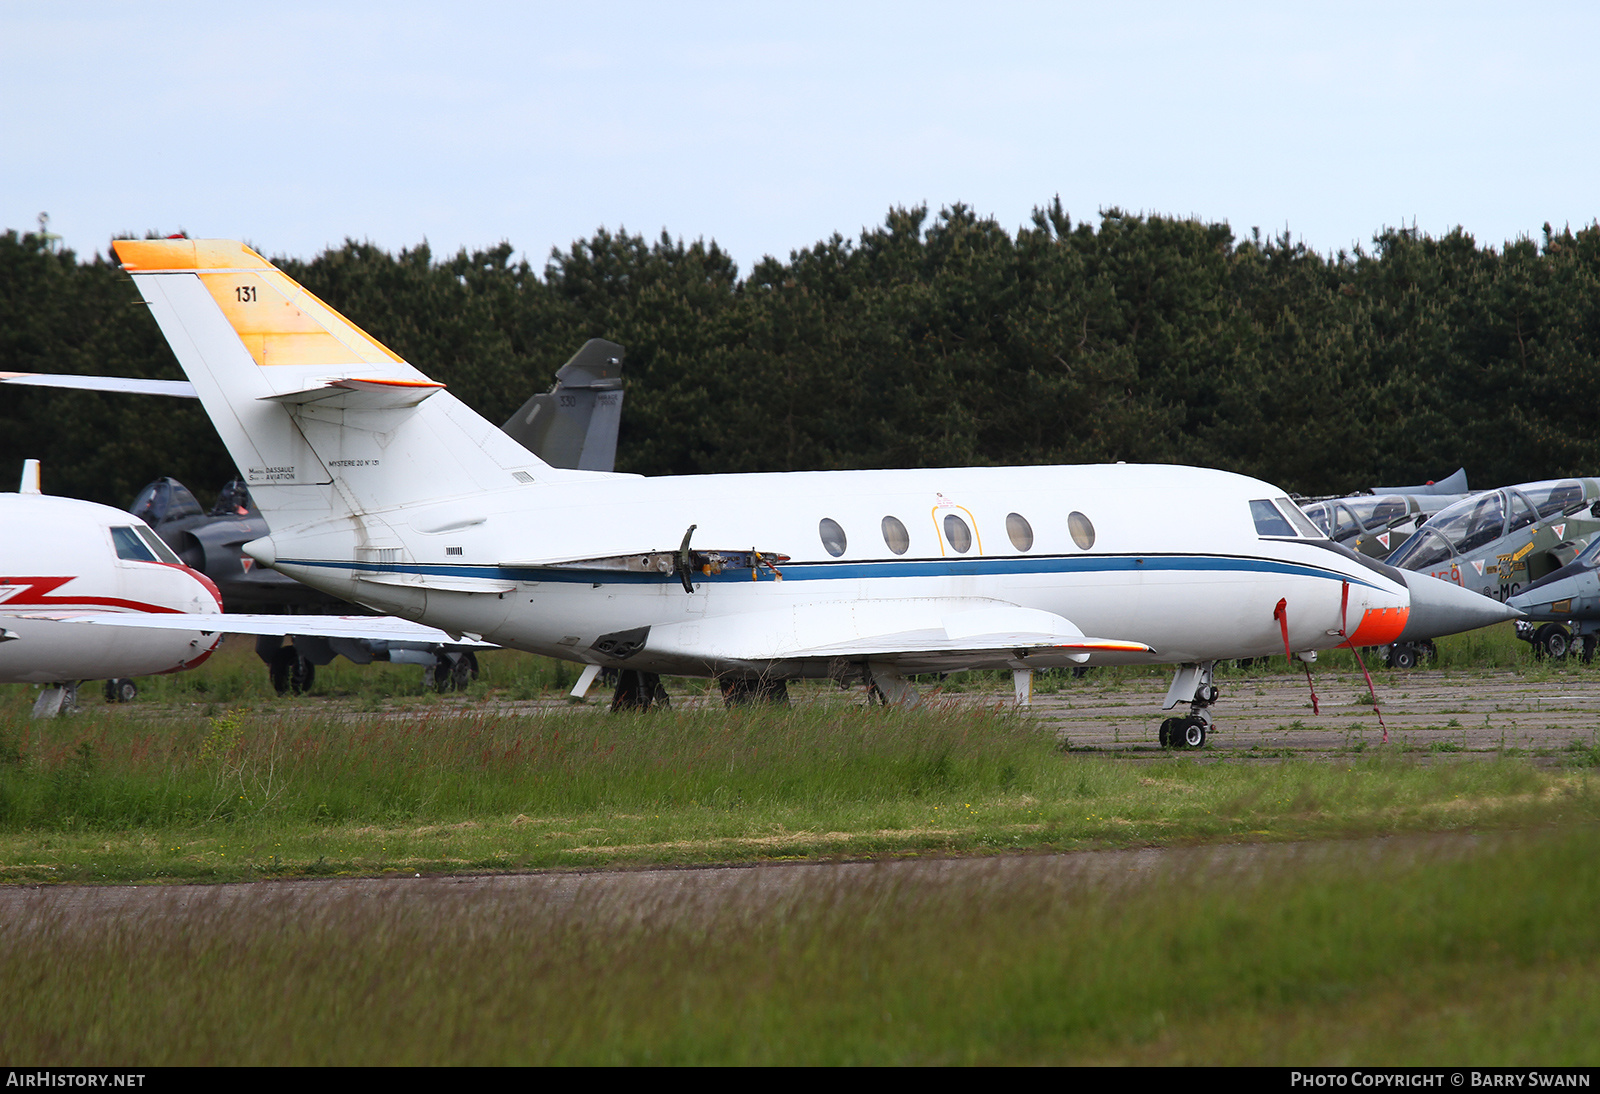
1020 531
832 536
957 532
1082 530
130 546
896 536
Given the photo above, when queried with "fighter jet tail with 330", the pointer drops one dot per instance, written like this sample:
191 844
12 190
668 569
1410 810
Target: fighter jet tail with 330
382 488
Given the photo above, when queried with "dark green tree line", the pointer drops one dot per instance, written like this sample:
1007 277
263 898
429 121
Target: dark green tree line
931 339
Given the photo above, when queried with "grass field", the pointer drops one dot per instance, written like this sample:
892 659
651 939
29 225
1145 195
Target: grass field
1481 952
250 791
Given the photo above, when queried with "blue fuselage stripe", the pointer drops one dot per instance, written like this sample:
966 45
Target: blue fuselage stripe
846 571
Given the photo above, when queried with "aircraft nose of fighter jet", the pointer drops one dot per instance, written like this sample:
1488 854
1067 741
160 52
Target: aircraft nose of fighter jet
1440 607
1526 599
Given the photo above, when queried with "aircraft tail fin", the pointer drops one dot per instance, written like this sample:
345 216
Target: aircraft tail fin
575 423
321 418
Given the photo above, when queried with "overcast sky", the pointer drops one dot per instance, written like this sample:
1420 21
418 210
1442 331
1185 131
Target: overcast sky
769 127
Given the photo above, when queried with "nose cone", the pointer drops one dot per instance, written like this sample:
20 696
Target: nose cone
1544 595
1440 608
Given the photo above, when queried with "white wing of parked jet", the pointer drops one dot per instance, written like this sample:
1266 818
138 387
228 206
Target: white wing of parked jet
913 635
372 628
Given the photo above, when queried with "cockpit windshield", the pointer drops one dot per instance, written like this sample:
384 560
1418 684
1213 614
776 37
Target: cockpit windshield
1377 512
164 499
1555 496
1321 514
1348 517
1462 528
1282 518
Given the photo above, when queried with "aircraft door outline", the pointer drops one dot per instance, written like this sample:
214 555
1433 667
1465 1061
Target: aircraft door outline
950 508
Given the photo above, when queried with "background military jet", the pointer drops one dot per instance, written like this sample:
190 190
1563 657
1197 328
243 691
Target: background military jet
1376 523
1563 606
1503 541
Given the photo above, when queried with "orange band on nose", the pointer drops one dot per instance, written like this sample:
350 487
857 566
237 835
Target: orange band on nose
1379 627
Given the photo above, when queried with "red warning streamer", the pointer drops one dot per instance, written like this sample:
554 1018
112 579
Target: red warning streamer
1281 614
1344 632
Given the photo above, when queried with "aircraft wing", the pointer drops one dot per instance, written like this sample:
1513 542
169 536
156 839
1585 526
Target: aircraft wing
181 389
372 628
933 635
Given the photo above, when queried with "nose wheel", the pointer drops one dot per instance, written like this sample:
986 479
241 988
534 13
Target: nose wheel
1190 732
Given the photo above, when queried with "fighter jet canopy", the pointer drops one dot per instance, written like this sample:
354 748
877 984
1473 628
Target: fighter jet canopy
164 499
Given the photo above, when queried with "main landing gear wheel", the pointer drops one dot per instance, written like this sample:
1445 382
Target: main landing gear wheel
454 675
1402 656
638 691
1553 641
738 691
288 671
121 691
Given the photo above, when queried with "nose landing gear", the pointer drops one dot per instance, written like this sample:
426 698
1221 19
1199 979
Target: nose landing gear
1192 683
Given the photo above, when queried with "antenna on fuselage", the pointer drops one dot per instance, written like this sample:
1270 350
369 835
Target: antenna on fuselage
30 478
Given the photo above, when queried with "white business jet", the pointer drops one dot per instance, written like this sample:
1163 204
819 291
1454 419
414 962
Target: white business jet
61 559
382 488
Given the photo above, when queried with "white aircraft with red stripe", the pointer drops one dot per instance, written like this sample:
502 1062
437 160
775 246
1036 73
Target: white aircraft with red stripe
65 563
62 559
382 488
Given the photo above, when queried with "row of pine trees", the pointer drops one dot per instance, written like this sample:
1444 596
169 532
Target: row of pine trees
931 340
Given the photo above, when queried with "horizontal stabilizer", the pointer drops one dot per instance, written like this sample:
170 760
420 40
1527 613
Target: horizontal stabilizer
360 393
129 385
373 628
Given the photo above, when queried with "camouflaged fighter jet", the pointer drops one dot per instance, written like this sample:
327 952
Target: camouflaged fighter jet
1500 542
